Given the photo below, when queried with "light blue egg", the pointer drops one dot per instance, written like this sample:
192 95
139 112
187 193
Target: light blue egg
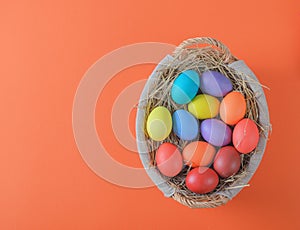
185 87
185 125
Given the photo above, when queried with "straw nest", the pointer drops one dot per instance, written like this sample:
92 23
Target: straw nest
200 54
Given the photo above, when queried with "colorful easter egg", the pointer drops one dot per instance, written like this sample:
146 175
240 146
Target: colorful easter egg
227 161
216 132
198 153
185 87
233 108
159 123
185 125
245 136
201 180
168 159
214 83
204 106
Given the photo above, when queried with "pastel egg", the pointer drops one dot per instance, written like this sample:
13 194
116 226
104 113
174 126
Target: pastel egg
168 159
233 108
185 87
227 161
201 180
245 136
215 83
159 123
216 132
198 153
204 106
185 125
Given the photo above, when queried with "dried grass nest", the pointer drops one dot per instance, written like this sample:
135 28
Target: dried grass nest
200 54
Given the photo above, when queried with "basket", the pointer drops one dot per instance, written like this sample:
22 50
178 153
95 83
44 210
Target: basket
203 54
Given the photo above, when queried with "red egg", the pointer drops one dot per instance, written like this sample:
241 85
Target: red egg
227 161
245 136
168 159
201 180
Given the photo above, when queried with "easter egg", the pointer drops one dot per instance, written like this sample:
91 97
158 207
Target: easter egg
233 108
227 161
168 159
198 153
214 83
216 132
185 125
245 136
201 180
185 87
159 123
204 106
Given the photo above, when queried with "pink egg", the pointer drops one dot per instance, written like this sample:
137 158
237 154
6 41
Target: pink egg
245 136
168 159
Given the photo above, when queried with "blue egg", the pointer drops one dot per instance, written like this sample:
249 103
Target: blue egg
185 125
185 87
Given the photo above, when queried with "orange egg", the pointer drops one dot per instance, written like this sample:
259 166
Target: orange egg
198 153
233 108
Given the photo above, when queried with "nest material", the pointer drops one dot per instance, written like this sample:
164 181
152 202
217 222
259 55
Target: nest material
199 54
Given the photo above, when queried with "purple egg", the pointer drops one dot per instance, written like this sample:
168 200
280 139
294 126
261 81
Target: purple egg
216 132
215 84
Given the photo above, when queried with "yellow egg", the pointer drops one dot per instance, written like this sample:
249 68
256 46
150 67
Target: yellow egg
204 106
159 123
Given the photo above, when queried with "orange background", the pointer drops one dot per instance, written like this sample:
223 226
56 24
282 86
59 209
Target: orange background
46 47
